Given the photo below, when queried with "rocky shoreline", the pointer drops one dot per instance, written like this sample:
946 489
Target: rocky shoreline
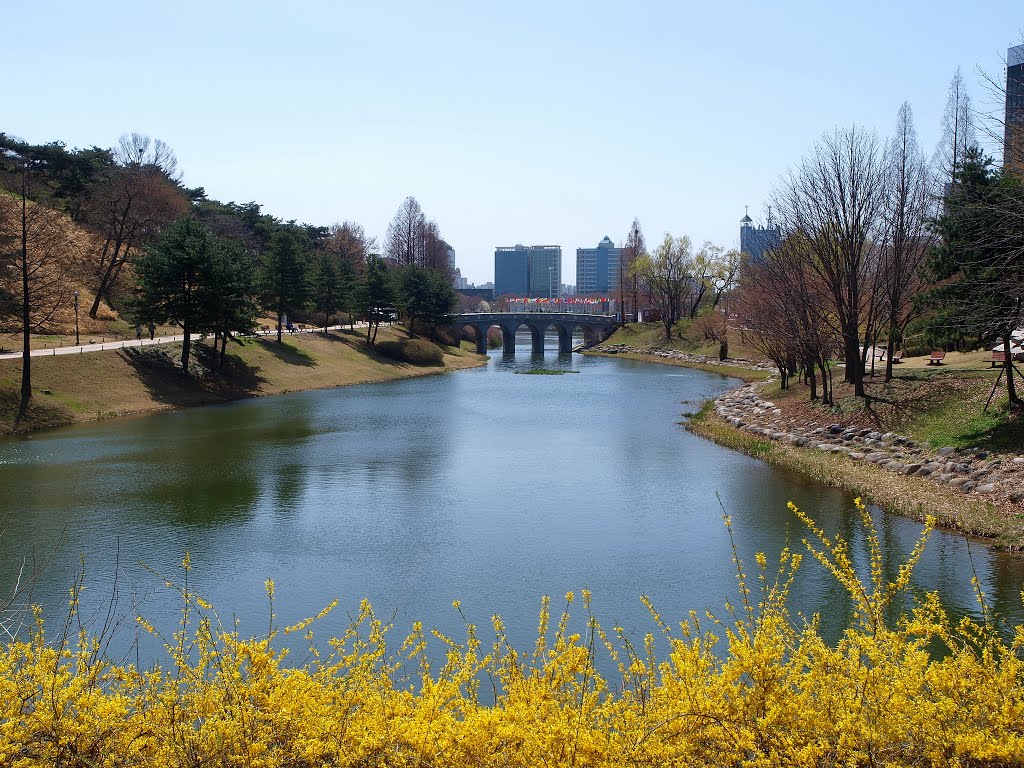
996 476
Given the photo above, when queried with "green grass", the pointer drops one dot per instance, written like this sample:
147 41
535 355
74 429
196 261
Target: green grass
962 421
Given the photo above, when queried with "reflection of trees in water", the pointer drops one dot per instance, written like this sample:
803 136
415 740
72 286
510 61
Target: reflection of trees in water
209 470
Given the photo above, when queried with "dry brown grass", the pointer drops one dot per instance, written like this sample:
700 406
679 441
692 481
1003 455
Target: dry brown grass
74 388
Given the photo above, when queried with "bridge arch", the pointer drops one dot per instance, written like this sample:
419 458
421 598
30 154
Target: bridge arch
595 328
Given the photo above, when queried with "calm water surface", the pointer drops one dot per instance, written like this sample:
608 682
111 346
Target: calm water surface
483 486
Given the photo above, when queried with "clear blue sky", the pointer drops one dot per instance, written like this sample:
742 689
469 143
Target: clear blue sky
526 122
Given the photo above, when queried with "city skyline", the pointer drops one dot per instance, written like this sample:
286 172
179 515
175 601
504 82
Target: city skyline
327 113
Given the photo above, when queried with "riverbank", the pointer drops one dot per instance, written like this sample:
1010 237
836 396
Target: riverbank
969 489
69 389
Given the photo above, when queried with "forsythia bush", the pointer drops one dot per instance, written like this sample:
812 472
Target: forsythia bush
756 688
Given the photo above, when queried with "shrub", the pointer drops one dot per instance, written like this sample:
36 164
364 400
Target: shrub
756 686
414 351
917 345
448 335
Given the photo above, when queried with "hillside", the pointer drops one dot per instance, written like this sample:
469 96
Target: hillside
76 388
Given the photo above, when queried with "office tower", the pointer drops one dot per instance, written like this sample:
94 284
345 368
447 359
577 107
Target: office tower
528 271
597 269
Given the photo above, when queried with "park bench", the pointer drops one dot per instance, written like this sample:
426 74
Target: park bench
897 356
998 358
936 357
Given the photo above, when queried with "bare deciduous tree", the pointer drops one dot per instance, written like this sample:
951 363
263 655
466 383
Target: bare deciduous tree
782 310
958 132
403 244
129 209
669 275
831 210
33 261
136 150
634 248
908 208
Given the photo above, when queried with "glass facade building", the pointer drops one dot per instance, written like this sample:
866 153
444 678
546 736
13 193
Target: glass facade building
597 269
528 271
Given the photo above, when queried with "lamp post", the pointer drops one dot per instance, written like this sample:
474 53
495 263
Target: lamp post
78 342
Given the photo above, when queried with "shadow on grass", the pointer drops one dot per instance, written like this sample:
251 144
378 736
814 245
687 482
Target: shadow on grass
41 413
205 383
354 339
287 353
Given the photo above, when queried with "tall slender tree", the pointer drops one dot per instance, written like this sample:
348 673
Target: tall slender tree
958 131
629 278
35 251
405 240
374 296
326 291
282 277
907 212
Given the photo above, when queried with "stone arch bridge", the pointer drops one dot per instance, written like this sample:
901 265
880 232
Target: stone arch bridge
595 328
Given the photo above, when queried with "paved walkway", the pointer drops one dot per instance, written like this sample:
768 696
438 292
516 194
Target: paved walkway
145 342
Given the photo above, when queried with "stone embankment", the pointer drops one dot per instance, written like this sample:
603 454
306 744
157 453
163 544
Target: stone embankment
685 357
970 470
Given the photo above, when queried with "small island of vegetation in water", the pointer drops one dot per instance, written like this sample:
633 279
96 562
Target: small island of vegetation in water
545 372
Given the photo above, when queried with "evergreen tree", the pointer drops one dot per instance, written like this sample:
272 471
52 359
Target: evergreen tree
326 286
374 296
978 266
282 277
174 278
230 293
442 301
413 283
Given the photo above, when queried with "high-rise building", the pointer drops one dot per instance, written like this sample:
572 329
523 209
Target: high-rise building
530 271
1013 141
597 269
757 241
511 270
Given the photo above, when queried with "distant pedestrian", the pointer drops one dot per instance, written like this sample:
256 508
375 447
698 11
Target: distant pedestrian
138 332
152 331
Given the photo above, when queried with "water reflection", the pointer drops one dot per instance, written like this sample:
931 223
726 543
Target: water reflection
485 486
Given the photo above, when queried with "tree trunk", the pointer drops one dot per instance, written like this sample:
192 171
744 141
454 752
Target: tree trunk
1011 388
890 348
854 365
224 336
26 348
186 345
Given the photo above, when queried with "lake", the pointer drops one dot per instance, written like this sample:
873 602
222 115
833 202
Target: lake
484 486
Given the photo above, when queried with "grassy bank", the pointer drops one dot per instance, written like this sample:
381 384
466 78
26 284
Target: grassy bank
98 385
912 497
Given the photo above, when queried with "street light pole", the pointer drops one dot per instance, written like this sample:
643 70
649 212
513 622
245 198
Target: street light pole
78 341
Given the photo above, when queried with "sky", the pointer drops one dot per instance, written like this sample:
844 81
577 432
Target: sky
552 122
